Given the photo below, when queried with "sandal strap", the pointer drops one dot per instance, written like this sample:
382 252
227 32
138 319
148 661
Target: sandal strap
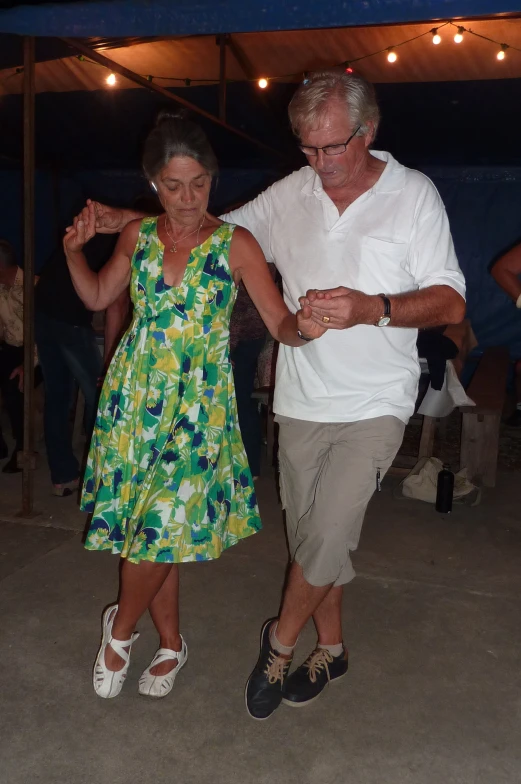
165 654
119 646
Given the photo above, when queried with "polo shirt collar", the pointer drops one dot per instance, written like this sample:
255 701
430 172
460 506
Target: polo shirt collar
392 179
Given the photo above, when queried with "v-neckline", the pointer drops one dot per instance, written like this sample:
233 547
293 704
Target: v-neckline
189 260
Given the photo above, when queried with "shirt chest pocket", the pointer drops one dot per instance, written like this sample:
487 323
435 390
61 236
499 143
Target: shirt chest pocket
384 266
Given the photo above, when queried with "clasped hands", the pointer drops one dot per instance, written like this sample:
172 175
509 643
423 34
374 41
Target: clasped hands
83 229
338 308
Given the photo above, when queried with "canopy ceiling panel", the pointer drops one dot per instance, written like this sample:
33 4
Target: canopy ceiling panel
287 55
195 17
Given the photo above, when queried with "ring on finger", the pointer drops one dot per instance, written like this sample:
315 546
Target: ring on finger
326 319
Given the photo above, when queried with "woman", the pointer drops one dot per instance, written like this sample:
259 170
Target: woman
167 478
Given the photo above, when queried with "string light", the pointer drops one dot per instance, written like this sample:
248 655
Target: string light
263 82
458 38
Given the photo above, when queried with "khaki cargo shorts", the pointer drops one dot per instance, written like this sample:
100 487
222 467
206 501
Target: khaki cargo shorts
328 473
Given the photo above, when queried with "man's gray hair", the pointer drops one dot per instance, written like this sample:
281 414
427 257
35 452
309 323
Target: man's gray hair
309 102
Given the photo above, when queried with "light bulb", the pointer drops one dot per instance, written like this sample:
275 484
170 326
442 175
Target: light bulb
436 37
263 83
502 52
111 79
458 38
391 55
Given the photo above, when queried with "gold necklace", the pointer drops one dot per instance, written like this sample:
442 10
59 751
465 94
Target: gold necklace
173 249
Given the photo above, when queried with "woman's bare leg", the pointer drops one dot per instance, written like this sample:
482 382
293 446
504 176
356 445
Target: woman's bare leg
139 584
164 610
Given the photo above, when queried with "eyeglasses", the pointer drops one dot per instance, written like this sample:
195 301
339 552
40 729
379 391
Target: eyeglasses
329 149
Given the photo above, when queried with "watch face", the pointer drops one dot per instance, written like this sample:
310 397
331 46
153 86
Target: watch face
384 321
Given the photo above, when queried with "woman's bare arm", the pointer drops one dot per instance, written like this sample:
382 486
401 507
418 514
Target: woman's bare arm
248 264
99 290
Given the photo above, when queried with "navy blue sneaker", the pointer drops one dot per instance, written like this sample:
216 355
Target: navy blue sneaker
310 679
264 687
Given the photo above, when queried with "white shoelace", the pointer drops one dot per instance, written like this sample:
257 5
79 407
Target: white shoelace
276 667
320 659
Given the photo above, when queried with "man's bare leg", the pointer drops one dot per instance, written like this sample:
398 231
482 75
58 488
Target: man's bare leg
328 617
300 602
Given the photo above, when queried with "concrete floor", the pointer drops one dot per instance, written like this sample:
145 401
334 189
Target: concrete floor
433 694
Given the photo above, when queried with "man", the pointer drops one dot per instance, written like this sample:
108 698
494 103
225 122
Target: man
507 274
11 351
367 242
68 352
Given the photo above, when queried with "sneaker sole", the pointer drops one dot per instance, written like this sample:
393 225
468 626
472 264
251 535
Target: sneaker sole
313 699
257 718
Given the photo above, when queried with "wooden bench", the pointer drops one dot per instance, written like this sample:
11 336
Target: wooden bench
480 425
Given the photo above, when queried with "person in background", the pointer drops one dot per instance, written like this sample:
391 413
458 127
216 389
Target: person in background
507 274
119 315
68 353
11 351
247 338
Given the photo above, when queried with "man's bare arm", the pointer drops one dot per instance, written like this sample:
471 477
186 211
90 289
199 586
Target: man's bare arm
428 307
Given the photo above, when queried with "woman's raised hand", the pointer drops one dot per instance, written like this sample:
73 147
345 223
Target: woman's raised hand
82 230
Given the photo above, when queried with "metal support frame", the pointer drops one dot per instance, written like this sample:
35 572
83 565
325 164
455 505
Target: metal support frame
28 460
142 82
222 42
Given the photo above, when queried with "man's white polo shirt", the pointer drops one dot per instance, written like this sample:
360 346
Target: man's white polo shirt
392 239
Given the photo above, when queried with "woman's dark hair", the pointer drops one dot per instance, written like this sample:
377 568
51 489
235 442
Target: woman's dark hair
175 136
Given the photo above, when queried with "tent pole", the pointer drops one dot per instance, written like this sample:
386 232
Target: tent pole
222 42
28 456
142 82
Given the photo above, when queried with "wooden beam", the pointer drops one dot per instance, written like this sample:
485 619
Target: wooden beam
28 456
142 82
242 59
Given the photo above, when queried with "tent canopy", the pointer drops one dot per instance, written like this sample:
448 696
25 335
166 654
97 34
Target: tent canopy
280 56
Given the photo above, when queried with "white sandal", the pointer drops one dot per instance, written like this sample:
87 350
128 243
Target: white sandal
161 685
108 683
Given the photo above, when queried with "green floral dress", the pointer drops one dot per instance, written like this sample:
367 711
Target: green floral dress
167 477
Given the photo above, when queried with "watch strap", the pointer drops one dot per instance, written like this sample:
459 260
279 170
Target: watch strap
387 304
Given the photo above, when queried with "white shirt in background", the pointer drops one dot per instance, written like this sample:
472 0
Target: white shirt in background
392 239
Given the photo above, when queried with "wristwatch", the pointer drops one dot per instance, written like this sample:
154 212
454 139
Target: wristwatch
385 319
